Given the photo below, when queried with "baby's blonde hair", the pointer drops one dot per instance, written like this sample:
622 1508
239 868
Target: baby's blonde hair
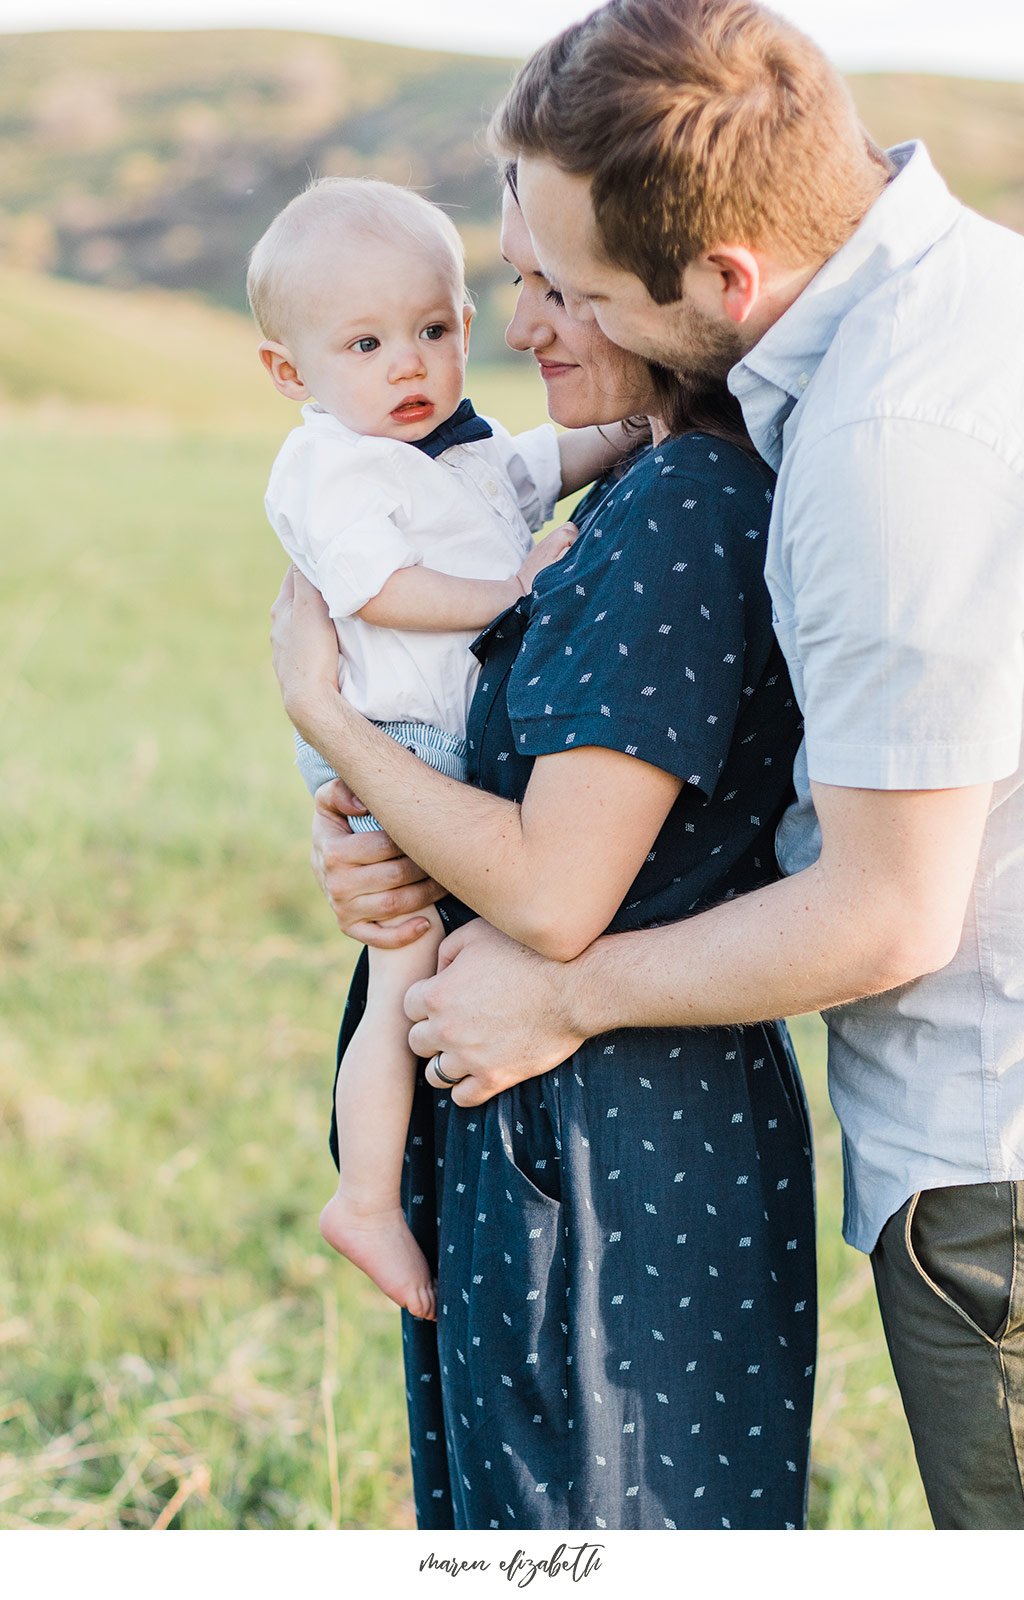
361 207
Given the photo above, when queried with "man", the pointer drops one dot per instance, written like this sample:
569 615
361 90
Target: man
695 179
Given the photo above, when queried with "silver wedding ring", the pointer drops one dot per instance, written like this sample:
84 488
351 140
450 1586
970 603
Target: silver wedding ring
436 1065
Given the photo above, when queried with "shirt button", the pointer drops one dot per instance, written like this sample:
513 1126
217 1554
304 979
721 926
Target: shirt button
804 379
491 486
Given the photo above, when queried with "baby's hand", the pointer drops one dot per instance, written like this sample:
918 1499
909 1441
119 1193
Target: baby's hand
550 549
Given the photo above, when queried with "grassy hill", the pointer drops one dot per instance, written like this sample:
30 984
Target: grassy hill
125 353
974 130
130 159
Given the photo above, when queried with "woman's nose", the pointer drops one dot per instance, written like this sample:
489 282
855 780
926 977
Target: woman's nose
527 331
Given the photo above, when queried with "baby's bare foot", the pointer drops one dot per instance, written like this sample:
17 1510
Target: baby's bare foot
380 1244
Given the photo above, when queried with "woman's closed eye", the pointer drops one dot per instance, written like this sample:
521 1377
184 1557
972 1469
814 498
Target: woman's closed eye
549 294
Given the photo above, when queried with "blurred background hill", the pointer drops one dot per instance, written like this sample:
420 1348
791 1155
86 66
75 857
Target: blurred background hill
155 160
138 158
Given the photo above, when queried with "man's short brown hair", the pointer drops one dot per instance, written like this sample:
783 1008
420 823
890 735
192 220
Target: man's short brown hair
698 122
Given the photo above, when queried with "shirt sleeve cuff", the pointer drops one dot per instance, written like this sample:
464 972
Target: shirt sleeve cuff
357 565
663 747
903 766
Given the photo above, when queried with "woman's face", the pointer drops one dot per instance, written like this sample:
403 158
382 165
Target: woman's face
587 378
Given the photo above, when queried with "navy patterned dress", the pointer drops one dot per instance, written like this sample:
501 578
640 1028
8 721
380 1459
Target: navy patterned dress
625 1246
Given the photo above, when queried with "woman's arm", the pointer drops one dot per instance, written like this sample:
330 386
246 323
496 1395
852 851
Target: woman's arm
528 869
587 452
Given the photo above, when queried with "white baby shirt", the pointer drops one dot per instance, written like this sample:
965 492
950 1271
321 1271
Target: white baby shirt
351 510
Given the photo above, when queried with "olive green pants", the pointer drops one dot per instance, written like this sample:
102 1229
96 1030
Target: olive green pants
949 1270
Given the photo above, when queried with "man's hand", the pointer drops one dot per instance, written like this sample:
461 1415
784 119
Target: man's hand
365 876
496 1011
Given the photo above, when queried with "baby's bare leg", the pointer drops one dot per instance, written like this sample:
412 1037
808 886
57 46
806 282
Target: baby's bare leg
373 1099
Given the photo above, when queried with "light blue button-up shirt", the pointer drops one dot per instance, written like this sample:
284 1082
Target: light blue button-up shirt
890 397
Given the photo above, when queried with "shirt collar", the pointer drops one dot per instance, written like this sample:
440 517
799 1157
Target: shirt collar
316 415
912 212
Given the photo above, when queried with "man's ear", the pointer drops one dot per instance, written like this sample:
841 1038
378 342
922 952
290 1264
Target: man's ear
467 317
284 374
736 280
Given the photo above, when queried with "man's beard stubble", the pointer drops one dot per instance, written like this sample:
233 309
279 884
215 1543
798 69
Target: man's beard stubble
703 351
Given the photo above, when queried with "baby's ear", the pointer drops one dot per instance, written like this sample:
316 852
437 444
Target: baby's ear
284 374
467 317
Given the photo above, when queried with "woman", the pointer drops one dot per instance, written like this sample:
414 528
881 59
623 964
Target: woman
625 1245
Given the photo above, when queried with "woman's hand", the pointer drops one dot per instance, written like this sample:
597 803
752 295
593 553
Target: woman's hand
546 552
496 1012
305 651
365 876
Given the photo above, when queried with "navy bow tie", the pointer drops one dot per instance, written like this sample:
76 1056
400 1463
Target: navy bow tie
462 427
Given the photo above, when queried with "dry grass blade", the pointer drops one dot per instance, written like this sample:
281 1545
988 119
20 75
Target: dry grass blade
197 1482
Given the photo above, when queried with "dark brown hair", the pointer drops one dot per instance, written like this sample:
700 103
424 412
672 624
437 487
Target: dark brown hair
712 410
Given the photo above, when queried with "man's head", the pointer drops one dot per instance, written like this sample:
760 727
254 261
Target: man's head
358 287
676 147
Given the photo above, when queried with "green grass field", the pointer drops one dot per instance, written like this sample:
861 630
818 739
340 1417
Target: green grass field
178 1346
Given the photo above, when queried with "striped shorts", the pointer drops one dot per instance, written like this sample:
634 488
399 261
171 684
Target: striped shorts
440 750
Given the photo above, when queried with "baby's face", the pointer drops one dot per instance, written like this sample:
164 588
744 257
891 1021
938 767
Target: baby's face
383 338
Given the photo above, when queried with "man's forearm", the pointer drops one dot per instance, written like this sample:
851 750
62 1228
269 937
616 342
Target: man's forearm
883 905
773 953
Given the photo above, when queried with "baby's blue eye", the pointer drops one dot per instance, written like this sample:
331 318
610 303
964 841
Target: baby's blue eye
365 346
437 330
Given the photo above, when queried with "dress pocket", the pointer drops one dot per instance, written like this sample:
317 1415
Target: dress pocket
528 1127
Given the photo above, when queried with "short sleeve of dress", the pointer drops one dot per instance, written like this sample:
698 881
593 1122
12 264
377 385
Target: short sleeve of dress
333 507
534 467
649 636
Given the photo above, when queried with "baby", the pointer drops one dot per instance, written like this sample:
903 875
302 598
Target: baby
413 517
